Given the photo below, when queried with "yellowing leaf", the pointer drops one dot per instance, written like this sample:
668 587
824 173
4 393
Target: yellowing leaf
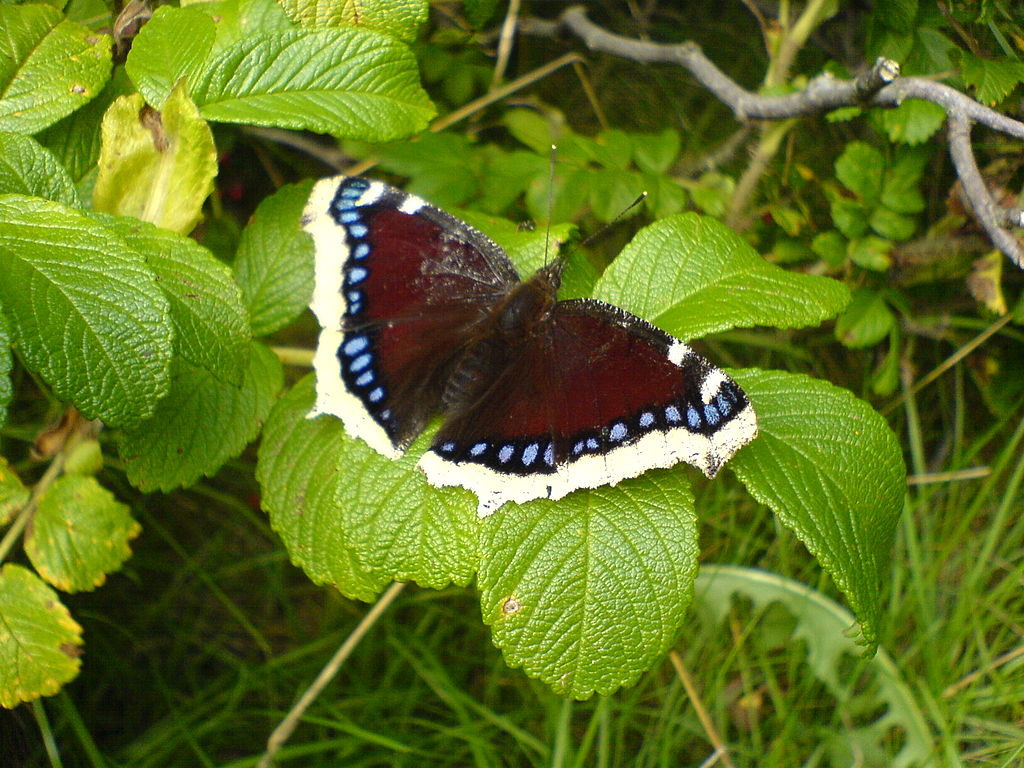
156 166
39 641
79 534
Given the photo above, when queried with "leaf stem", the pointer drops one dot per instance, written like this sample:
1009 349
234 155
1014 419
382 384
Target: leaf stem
25 515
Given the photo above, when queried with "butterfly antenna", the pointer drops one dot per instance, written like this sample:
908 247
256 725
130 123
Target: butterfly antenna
619 217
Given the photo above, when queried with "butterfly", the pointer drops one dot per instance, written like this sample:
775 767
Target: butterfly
423 315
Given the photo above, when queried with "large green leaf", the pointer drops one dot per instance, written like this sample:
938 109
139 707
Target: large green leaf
79 534
40 644
831 469
201 423
75 140
347 82
6 390
156 166
398 18
274 263
691 275
300 478
587 592
172 45
49 66
86 312
384 522
27 168
210 323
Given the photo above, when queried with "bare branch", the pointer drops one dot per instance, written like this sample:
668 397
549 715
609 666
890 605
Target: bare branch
974 191
880 86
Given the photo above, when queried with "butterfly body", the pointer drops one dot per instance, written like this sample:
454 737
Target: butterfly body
421 315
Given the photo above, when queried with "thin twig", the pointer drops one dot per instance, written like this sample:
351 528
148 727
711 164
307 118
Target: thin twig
949 362
505 40
284 730
963 682
879 86
477 104
698 707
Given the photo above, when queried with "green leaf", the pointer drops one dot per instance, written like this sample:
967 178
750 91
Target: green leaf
537 132
664 195
172 45
507 176
655 152
384 520
300 479
912 122
75 140
712 192
442 167
831 246
6 363
692 275
274 263
86 313
892 225
210 322
201 423
347 82
156 166
587 592
860 169
79 534
850 216
822 626
901 190
897 14
992 80
870 252
237 20
865 321
13 494
831 470
27 168
40 644
479 12
400 19
611 149
612 192
49 66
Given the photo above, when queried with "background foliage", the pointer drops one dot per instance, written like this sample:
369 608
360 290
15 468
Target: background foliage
129 290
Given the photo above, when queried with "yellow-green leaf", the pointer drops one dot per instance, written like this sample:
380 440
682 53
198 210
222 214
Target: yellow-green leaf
156 166
79 534
39 641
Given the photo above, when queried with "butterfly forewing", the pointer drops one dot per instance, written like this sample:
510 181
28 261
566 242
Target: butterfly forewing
400 287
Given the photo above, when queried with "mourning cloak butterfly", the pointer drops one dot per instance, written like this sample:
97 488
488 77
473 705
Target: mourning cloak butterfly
422 314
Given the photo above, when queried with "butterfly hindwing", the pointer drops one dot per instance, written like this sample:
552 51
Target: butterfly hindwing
598 397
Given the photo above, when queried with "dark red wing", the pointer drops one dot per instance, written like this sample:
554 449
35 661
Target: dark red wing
598 396
400 286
